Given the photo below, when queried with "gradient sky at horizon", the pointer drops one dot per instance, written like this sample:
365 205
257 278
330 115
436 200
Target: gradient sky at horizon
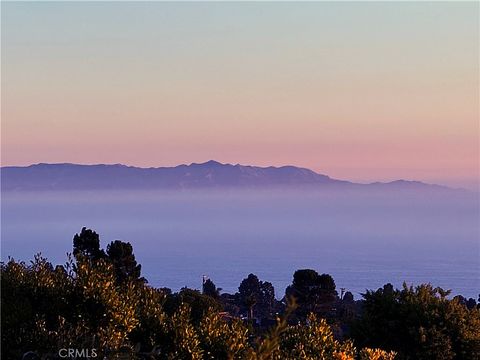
359 91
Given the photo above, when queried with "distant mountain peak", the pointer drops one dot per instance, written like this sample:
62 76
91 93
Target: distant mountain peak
209 163
212 173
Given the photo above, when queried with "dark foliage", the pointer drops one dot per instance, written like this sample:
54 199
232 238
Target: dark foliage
210 289
258 297
199 303
123 260
87 244
419 323
313 293
98 300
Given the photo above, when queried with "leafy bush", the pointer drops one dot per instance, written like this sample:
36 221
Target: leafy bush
419 323
89 304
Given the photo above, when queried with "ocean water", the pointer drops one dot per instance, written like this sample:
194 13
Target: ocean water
363 239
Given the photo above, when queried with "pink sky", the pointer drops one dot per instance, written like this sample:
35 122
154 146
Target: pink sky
313 85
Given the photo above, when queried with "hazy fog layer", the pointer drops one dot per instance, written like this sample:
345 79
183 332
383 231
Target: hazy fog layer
362 239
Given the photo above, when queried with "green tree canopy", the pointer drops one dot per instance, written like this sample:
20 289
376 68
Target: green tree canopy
419 323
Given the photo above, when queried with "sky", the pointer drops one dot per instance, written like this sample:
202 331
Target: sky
358 91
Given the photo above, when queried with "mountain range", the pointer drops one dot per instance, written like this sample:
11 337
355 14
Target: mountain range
210 174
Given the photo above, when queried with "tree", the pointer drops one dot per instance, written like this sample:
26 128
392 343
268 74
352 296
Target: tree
258 297
266 301
210 289
470 303
123 260
313 292
199 303
249 292
418 323
46 308
87 244
348 297
327 292
326 283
